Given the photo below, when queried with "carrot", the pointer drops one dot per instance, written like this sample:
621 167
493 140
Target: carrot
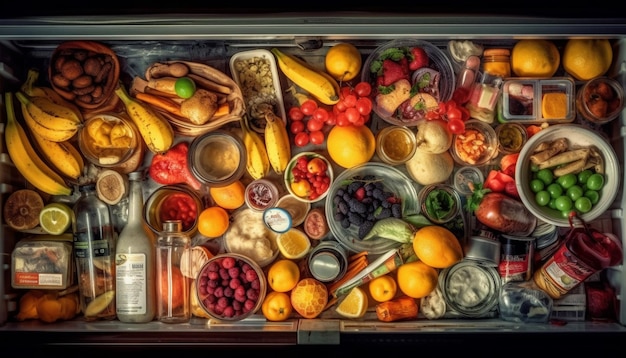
356 256
401 308
160 102
222 110
354 267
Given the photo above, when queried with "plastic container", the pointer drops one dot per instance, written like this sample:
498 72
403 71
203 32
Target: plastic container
172 287
484 97
32 266
217 158
522 100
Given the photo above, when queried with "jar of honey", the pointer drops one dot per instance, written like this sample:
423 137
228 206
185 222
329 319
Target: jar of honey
395 144
497 62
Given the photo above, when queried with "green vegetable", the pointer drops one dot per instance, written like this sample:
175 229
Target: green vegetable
393 229
439 203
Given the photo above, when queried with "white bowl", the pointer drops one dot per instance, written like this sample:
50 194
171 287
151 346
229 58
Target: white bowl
288 176
578 136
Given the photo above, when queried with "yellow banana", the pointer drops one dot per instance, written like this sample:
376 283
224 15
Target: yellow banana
49 114
319 84
32 90
277 142
26 159
54 135
155 130
62 155
257 161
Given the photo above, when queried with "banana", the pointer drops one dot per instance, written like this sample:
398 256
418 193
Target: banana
257 161
155 130
49 114
26 159
277 142
319 84
30 89
62 155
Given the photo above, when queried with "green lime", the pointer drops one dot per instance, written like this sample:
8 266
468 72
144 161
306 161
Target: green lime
536 185
542 198
185 87
595 181
56 218
583 204
545 175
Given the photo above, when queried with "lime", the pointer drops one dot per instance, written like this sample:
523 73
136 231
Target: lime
595 181
545 175
55 218
542 198
185 87
583 204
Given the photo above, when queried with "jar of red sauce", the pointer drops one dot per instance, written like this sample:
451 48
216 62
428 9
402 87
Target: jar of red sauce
170 203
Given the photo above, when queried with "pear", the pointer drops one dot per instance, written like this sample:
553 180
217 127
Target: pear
433 136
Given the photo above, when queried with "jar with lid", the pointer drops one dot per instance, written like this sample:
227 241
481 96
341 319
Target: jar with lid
484 97
134 261
470 288
497 61
172 286
94 249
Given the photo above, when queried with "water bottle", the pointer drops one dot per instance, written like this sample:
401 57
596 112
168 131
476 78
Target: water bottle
172 287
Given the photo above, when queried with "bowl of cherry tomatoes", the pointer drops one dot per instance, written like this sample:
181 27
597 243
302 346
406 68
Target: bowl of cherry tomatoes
308 176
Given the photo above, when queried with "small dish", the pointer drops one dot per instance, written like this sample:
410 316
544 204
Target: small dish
261 194
297 208
308 176
217 158
476 146
511 137
395 144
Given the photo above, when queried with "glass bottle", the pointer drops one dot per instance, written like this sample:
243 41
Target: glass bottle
172 287
94 249
135 262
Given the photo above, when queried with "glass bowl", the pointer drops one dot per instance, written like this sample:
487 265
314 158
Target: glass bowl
217 158
241 297
394 181
173 202
108 139
439 63
476 146
600 92
295 172
578 136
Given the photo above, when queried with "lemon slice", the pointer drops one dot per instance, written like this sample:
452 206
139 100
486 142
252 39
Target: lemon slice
55 218
192 260
111 186
293 244
99 304
354 305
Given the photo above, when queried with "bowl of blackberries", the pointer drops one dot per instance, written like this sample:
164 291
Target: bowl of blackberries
231 287
361 196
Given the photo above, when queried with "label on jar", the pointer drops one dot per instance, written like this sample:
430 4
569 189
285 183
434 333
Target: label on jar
562 272
516 258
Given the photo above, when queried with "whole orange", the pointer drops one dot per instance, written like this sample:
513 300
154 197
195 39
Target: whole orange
437 246
587 58
383 288
343 61
283 275
178 296
213 222
231 196
277 306
535 58
416 279
350 145
309 297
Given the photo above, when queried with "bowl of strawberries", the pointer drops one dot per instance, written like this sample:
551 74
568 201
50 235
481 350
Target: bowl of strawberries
409 78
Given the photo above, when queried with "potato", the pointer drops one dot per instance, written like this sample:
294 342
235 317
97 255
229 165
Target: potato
428 168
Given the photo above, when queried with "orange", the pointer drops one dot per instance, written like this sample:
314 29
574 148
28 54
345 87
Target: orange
343 61
354 305
350 145
309 297
277 306
213 222
416 279
535 58
585 59
231 196
383 288
293 244
437 246
283 275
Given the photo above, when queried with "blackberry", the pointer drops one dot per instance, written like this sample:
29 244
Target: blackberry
379 185
396 210
369 177
370 186
343 207
357 206
347 197
378 194
345 223
370 217
340 192
355 218
339 216
352 187
385 204
383 214
364 229
337 199
367 200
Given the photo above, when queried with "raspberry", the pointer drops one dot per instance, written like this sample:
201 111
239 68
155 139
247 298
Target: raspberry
228 262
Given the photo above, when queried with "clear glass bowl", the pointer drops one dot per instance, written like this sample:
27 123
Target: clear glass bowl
468 149
439 62
108 139
394 181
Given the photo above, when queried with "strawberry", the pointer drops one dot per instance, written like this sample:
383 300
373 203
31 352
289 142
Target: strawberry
393 71
419 58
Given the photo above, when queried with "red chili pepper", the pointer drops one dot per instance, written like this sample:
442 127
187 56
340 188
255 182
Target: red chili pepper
171 167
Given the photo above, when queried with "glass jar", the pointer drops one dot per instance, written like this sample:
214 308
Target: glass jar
94 249
172 287
497 61
395 144
470 288
440 203
484 97
511 137
600 100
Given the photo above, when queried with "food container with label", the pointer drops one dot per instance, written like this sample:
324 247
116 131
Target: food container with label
43 262
532 100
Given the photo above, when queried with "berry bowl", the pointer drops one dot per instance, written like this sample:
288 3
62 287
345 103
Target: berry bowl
230 287
308 176
385 189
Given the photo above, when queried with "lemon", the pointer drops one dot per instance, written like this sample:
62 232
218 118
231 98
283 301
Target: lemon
99 304
349 146
535 58
343 62
293 244
354 305
55 218
585 58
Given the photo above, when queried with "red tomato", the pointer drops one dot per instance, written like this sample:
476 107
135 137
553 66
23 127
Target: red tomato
453 113
344 92
364 105
321 114
314 124
296 127
308 107
317 137
332 119
341 119
301 139
352 114
295 114
359 122
350 100
363 89
339 106
456 126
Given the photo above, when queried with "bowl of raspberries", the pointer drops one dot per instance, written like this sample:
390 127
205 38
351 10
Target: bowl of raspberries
362 195
231 287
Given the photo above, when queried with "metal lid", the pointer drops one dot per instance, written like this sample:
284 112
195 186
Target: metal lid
324 266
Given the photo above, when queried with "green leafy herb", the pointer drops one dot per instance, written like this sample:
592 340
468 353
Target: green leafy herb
439 203
393 53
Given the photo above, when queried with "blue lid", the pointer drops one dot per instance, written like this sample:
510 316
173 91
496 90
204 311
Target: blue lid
277 219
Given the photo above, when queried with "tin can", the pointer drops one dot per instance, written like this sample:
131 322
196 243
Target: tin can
516 258
328 261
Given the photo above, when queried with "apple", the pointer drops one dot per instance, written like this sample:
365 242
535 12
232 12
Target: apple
316 166
433 136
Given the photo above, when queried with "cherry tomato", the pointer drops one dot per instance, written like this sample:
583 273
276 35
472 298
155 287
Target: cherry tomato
465 115
341 119
295 114
432 114
339 106
344 92
316 137
352 114
456 126
364 105
363 89
359 121
453 113
332 119
314 124
301 139
308 107
321 114
296 127
350 100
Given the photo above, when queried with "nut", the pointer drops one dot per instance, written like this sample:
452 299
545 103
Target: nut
71 69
